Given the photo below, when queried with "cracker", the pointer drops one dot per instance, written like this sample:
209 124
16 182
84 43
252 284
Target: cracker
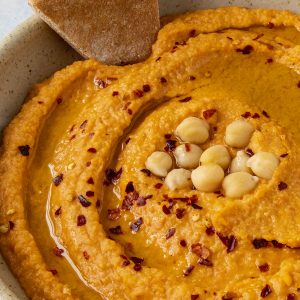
111 31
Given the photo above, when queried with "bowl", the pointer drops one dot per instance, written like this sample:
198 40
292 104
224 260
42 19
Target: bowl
33 51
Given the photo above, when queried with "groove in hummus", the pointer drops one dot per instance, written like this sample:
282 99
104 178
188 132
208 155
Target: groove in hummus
82 218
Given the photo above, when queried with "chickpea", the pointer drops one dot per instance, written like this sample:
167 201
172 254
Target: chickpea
207 178
239 163
178 179
217 154
159 163
187 155
236 185
193 130
238 133
263 164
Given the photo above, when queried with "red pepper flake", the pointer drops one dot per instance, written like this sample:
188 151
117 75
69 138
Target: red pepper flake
129 199
166 210
264 268
194 296
40 102
265 114
146 88
207 114
291 296
90 194
284 155
81 220
271 25
249 152
135 227
114 214
88 163
192 78
229 241
196 206
138 93
115 93
54 272
59 100
158 185
180 213
83 201
168 136
192 33
24 150
158 59
136 260
129 187
112 176
58 252
210 231
90 180
266 291
11 225
146 171
260 243
129 111
282 186
228 296
277 244
246 115
183 243
170 145
92 150
174 49
246 50
204 262
163 80
58 179
137 267
83 125
116 230
142 201
187 147
255 116
58 211
102 84
73 137
270 60
186 99
200 250
86 255
170 233
98 203
188 270
125 263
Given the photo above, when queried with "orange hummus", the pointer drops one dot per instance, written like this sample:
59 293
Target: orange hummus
82 218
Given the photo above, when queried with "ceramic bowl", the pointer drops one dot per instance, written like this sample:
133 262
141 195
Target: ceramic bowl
32 52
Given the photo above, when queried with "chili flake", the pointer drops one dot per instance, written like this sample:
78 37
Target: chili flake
194 296
83 124
264 268
24 150
100 83
112 176
166 210
90 194
246 115
146 171
58 252
170 145
187 147
54 272
58 179
186 99
249 152
192 78
170 233
207 114
282 186
183 243
210 230
158 185
92 150
200 250
256 116
137 267
204 262
246 50
291 296
180 213
136 260
81 220
129 199
114 214
269 60
277 244
146 88
129 187
229 241
58 211
196 206
192 33
115 93
59 100
86 255
138 93
266 291
265 114
90 180
260 243
188 270
135 227
116 230
83 201
11 225
284 155
163 80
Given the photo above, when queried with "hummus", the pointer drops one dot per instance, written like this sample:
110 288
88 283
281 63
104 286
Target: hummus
82 218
